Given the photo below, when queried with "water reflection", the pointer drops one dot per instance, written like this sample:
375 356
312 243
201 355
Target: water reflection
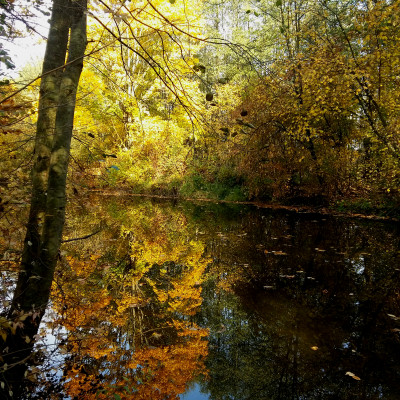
309 316
223 302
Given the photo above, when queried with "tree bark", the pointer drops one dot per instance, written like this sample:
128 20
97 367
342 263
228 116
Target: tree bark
56 50
49 176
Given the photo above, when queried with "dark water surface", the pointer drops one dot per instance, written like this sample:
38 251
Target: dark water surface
205 301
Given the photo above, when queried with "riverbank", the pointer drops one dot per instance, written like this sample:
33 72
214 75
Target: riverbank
344 208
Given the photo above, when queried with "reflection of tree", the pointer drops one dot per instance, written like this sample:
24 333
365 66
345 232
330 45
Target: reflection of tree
292 303
312 307
303 282
129 323
265 345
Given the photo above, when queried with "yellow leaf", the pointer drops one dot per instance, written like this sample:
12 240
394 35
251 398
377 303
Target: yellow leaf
315 348
348 373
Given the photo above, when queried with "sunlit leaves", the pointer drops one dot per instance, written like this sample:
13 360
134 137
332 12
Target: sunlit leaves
142 306
318 103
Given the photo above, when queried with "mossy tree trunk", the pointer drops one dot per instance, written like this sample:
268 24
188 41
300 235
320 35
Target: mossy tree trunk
49 176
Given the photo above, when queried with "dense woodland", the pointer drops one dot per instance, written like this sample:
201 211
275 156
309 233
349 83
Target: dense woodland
294 101
285 102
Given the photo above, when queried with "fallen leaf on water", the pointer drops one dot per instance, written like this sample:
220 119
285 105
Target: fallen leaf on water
279 253
315 348
348 373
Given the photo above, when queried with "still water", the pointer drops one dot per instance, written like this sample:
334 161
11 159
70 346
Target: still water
198 301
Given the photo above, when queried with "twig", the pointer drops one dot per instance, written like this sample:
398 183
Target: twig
81 238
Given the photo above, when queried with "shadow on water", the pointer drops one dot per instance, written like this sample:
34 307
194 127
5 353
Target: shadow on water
315 319
220 302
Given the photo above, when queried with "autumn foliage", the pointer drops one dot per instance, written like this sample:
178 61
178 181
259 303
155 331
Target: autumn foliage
126 330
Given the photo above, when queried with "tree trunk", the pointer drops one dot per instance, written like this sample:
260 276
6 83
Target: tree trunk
47 213
54 59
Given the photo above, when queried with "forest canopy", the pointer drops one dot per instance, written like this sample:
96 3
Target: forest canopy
294 102
288 101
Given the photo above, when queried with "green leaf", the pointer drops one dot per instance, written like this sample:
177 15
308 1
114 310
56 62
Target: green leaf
199 68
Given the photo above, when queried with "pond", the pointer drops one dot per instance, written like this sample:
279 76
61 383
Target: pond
198 301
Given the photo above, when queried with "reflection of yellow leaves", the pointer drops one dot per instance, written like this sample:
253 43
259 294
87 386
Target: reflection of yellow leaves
169 369
109 316
4 327
95 316
315 348
4 323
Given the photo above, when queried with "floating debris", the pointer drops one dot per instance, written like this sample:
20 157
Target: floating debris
348 373
279 253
